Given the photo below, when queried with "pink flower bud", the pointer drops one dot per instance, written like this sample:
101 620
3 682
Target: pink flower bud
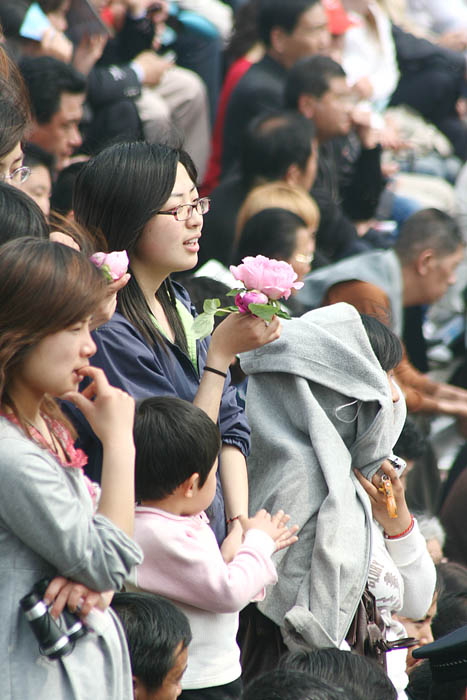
113 265
243 300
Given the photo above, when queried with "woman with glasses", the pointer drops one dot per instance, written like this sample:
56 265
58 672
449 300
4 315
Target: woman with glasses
14 118
143 198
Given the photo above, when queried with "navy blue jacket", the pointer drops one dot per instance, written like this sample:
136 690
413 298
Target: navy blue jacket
143 371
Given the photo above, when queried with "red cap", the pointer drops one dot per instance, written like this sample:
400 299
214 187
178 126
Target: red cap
338 19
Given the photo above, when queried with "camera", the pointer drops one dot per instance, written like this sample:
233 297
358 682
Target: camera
398 463
56 637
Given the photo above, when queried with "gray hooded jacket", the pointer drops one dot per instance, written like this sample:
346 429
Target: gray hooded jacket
308 433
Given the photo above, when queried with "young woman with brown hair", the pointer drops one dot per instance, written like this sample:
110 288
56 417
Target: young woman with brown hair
53 522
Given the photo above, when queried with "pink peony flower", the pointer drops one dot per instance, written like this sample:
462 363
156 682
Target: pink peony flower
242 300
275 278
113 265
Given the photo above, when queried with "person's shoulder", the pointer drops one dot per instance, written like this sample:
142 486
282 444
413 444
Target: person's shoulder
259 77
181 293
118 326
155 523
18 452
11 436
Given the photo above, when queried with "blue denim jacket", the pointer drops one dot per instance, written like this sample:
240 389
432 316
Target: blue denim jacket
143 371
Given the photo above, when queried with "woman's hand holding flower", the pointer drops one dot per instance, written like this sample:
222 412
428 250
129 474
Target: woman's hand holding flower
113 265
265 282
239 333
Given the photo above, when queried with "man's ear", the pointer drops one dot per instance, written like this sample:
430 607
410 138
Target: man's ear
139 689
424 262
277 38
307 105
293 175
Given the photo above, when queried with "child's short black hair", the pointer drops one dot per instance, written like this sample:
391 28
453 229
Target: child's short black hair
174 439
360 676
288 684
154 628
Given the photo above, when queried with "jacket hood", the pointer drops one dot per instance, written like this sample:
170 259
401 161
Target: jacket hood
330 347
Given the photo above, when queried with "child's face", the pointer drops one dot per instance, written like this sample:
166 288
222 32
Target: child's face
204 496
171 686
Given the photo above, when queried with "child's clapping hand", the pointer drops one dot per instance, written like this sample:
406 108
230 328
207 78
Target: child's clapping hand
273 525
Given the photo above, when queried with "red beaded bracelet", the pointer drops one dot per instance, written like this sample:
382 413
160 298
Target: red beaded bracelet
401 534
230 520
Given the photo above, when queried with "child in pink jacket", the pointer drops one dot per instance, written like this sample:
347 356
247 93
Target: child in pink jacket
176 463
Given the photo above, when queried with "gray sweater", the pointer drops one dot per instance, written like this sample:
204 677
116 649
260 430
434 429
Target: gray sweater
305 443
47 528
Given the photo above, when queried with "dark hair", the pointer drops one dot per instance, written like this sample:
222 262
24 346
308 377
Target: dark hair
47 79
310 76
280 13
274 142
411 443
61 200
44 287
385 344
34 155
245 31
451 610
201 288
362 676
20 215
116 194
174 439
271 232
422 687
12 14
50 5
286 684
428 228
154 629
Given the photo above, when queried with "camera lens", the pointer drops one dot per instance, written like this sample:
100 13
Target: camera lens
74 628
53 642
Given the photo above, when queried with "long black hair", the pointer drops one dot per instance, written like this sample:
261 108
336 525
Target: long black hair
384 342
115 195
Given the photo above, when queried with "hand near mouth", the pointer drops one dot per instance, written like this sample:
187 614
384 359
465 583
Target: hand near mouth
109 410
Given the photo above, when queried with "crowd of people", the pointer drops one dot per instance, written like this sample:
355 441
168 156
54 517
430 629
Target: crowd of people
256 514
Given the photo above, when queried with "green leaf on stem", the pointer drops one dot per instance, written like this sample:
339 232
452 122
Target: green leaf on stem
234 292
210 306
203 325
264 311
227 310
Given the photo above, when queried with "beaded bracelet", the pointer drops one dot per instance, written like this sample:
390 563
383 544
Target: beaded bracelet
401 534
215 371
230 520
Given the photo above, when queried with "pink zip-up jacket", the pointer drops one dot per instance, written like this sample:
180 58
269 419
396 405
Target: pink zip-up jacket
182 562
